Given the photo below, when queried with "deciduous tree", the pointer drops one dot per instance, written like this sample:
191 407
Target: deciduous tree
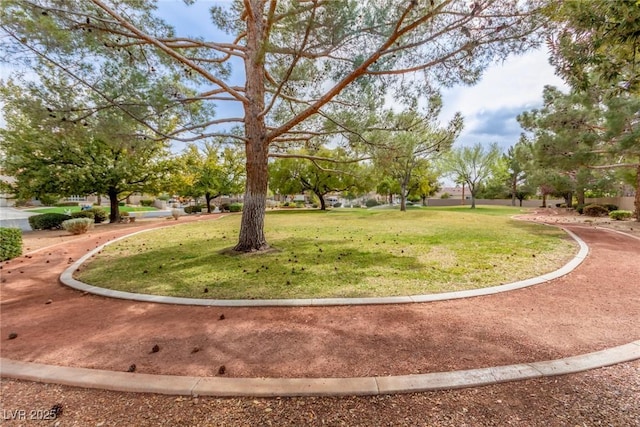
297 174
57 140
471 166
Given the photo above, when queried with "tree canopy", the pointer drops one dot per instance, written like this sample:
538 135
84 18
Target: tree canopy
594 47
472 166
54 143
213 171
296 174
408 140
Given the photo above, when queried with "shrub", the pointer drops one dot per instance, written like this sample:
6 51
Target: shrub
371 203
10 243
561 205
78 225
121 204
47 221
146 202
337 205
620 215
579 207
99 215
235 207
48 200
610 207
65 204
445 196
299 204
596 210
285 204
83 214
224 207
193 209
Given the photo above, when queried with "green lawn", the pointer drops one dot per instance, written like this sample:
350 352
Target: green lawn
340 253
64 209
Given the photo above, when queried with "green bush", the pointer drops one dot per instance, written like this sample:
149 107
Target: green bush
337 205
146 202
620 215
78 225
299 204
193 209
371 203
235 207
48 200
99 215
65 204
122 204
10 243
83 214
611 207
445 196
48 221
224 207
595 210
579 207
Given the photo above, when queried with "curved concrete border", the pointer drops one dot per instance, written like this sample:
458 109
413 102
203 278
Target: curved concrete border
271 387
67 279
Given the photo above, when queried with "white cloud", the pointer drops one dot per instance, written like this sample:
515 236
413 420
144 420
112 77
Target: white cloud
515 85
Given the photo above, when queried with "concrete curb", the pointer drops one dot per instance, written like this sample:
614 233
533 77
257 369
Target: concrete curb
271 387
67 279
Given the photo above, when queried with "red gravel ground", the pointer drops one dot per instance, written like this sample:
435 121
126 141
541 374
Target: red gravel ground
595 307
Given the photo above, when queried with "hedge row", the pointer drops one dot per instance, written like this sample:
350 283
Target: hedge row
10 243
48 221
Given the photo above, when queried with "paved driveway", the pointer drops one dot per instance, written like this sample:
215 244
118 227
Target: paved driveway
15 218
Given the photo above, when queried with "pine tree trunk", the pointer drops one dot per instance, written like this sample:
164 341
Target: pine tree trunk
252 237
